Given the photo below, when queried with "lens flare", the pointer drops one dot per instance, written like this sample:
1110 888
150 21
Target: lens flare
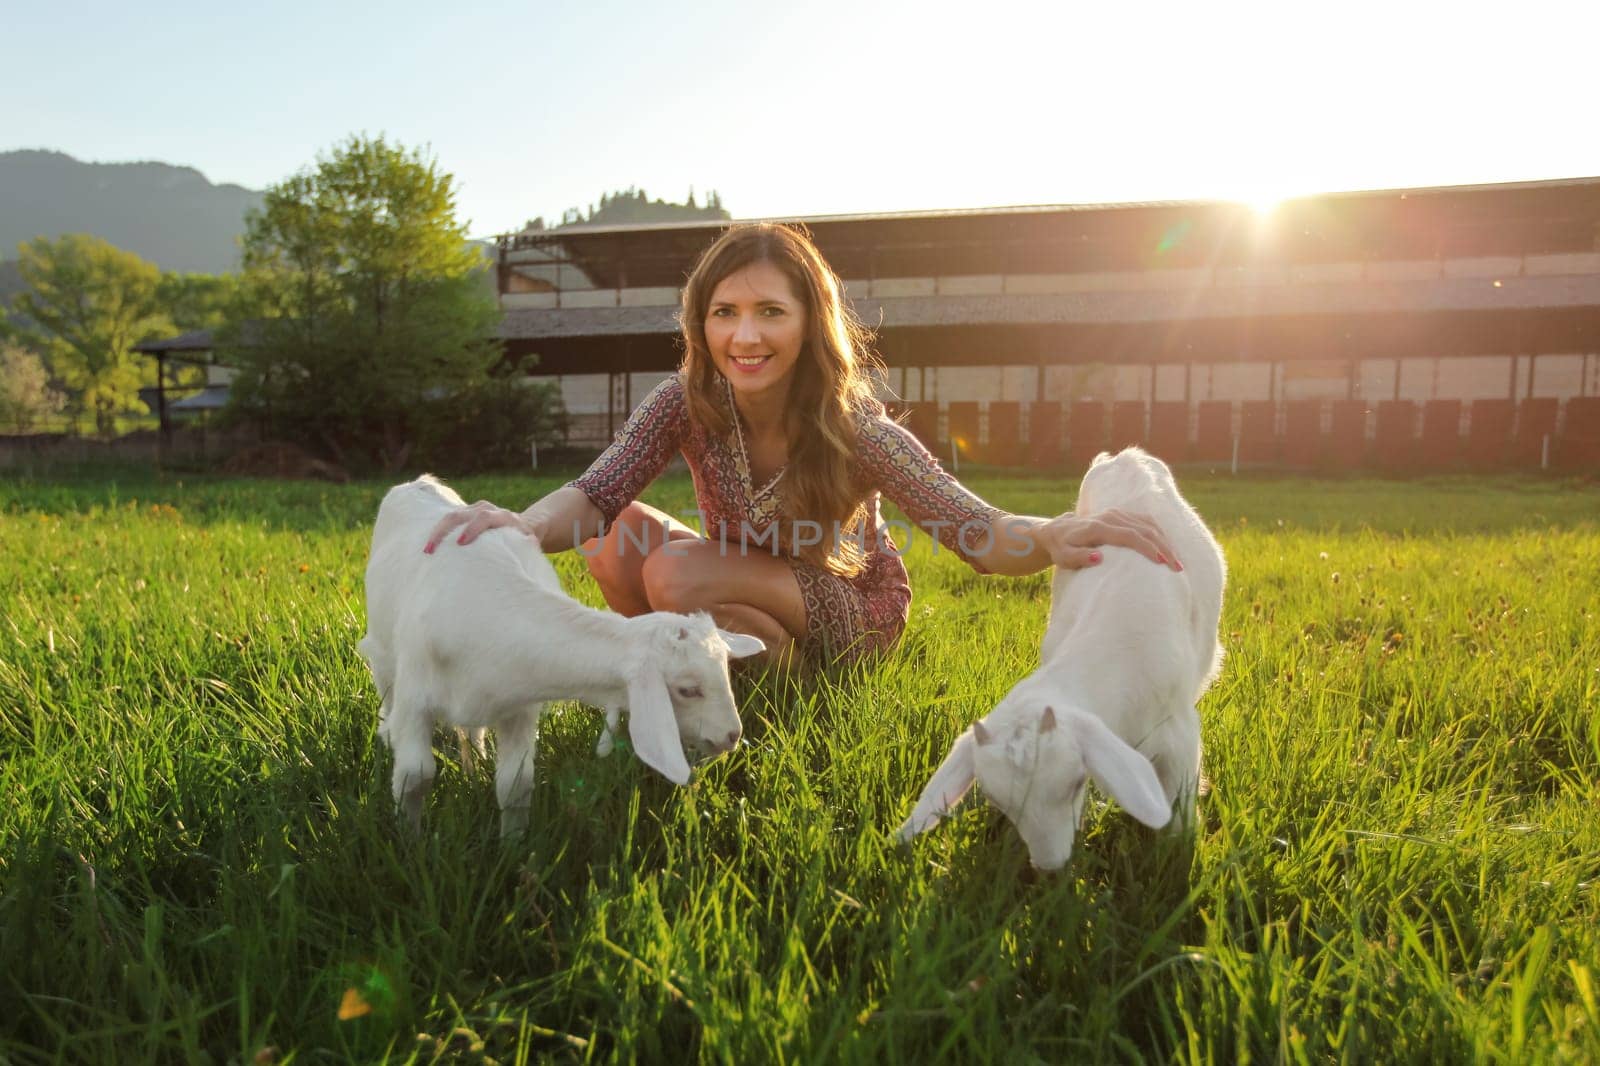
353 1005
1174 237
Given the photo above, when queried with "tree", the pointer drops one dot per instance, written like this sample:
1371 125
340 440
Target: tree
630 205
86 305
197 301
26 394
363 303
492 423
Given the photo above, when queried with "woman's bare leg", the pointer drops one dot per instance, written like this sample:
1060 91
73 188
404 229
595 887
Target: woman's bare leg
617 558
743 618
754 593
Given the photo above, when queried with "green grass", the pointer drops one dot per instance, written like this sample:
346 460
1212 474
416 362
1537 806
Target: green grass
1399 859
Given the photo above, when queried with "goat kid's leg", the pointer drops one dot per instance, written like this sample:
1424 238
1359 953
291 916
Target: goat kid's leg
517 743
470 742
1177 765
410 732
608 732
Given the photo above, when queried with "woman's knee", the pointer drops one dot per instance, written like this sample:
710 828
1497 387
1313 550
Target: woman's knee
781 644
672 580
616 560
623 544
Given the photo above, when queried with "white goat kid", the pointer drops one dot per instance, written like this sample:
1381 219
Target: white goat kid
1129 649
482 637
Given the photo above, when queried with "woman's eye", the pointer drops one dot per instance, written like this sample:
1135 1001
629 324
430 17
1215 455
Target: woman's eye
772 312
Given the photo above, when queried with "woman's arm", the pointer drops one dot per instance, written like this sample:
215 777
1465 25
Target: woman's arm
577 511
992 540
560 520
564 519
1026 544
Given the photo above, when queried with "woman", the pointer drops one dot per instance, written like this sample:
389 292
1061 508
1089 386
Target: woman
773 410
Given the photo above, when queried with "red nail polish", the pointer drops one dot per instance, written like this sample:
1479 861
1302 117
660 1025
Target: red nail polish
1094 557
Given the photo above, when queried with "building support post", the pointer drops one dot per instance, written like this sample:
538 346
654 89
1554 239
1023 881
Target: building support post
611 405
165 436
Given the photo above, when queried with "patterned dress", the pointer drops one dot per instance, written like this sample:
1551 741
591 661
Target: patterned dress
846 617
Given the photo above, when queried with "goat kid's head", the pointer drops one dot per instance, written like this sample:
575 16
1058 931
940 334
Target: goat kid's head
679 696
1132 477
1036 772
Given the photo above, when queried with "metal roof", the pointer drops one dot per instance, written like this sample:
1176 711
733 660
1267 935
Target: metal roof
1441 295
1024 209
196 340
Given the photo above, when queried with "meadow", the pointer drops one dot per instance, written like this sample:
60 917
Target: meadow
1399 859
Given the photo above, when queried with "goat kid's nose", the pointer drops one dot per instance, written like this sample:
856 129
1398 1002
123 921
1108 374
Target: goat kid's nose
730 742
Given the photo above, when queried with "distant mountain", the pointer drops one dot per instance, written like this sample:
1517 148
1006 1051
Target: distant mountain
170 215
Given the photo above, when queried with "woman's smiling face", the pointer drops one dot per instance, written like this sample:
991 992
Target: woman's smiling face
755 328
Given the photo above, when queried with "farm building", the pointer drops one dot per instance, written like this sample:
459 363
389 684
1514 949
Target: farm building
1414 327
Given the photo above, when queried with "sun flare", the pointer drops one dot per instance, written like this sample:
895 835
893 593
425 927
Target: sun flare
1262 203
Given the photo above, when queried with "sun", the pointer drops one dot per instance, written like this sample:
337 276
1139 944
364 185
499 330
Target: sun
1263 203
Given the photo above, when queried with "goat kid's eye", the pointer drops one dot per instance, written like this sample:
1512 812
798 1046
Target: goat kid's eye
691 692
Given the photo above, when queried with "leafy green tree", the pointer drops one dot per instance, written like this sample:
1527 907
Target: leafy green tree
198 301
26 394
194 302
86 305
361 303
491 424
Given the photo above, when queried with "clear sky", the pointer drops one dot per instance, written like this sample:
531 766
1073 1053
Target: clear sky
821 107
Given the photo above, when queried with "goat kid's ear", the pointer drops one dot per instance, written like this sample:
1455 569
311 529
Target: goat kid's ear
1116 766
741 645
946 787
654 730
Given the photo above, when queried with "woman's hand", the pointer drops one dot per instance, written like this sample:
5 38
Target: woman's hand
1071 540
477 519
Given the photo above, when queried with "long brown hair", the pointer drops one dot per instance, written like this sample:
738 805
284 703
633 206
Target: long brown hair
830 388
